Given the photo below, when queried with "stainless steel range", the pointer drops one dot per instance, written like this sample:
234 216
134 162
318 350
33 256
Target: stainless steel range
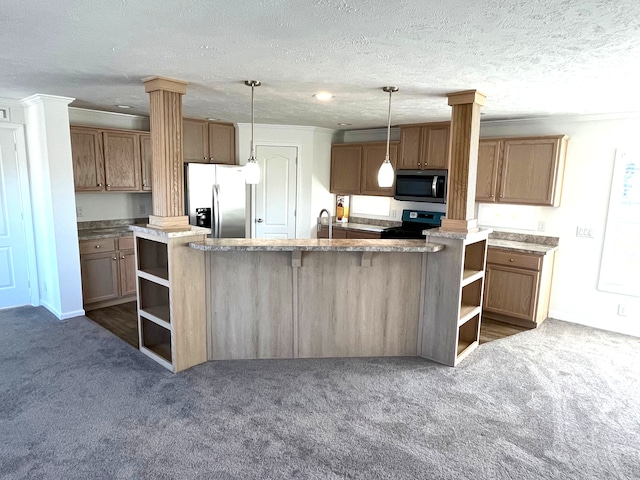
413 223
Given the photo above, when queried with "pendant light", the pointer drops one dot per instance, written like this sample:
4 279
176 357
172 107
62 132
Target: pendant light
252 169
385 174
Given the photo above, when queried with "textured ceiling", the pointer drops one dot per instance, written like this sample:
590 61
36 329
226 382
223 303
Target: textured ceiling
530 57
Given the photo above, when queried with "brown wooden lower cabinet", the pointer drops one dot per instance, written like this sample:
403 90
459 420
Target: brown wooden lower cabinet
346 233
108 275
518 287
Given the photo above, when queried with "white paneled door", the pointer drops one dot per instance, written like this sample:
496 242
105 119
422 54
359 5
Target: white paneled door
14 265
276 192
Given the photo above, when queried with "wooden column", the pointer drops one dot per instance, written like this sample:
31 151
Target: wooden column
463 161
165 112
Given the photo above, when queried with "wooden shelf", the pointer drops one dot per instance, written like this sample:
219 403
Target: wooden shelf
159 314
157 358
155 275
470 276
467 312
465 348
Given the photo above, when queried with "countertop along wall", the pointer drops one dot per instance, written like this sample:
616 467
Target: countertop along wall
585 198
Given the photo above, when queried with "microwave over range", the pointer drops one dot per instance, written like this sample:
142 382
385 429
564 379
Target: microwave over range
421 186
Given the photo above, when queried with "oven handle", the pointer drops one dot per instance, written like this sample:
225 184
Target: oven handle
434 186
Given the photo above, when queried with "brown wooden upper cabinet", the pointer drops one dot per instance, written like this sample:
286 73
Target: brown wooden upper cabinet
354 168
209 142
145 160
346 165
108 160
523 170
424 146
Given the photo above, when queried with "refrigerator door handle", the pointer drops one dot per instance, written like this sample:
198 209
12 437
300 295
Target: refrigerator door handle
216 212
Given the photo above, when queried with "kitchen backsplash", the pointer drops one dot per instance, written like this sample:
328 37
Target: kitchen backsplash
112 223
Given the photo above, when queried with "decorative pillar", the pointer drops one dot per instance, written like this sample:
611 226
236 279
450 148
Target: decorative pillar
165 112
463 161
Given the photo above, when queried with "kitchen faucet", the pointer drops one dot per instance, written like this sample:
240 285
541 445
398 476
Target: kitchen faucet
324 210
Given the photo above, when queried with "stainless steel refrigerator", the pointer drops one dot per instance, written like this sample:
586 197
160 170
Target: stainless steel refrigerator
216 197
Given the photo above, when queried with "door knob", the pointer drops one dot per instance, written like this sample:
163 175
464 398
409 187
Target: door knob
259 220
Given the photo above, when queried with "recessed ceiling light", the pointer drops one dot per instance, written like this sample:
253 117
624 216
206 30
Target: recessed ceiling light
323 96
124 106
213 119
344 124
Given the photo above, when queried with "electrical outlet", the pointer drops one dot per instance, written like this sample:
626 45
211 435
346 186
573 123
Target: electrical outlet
393 213
622 310
542 226
79 211
584 232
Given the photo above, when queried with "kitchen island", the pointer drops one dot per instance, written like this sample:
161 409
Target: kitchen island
308 298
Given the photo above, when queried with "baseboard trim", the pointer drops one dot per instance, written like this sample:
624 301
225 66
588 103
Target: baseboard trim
72 314
46 305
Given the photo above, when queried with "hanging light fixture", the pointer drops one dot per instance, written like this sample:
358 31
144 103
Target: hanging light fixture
385 174
252 169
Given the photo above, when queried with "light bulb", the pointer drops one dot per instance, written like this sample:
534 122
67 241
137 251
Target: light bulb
252 172
385 174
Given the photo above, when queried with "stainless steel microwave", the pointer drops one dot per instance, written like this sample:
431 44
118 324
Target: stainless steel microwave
421 186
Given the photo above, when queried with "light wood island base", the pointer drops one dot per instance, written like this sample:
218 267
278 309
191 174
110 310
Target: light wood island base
220 299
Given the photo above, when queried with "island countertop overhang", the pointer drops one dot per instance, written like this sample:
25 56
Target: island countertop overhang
315 245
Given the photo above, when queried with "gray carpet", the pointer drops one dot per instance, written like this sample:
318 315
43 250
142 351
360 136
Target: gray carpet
76 402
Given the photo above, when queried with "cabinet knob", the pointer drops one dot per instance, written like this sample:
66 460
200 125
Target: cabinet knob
108 184
419 163
99 185
114 258
97 246
511 259
501 195
122 257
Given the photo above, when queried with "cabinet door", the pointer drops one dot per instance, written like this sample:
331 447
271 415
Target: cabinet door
222 143
372 157
88 164
345 169
511 291
335 233
486 181
435 147
127 268
99 276
529 171
145 160
121 161
410 139
195 147
362 234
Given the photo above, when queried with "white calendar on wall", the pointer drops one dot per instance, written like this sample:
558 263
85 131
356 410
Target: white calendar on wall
620 264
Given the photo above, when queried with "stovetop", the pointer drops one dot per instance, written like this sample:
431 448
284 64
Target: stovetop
413 223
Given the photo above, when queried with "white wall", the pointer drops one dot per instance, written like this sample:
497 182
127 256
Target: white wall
53 204
314 159
110 206
587 183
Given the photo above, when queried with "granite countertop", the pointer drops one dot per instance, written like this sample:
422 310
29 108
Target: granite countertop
524 243
315 245
170 233
107 232
522 247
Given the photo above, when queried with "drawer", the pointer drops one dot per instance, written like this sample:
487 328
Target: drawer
96 246
514 259
125 243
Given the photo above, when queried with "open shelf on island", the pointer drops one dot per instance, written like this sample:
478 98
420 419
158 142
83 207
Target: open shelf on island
471 297
152 258
156 339
157 314
154 299
474 254
468 336
469 276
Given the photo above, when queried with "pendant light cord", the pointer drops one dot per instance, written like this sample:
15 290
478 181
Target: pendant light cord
252 123
386 158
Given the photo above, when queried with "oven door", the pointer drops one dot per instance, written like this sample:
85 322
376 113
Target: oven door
421 185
